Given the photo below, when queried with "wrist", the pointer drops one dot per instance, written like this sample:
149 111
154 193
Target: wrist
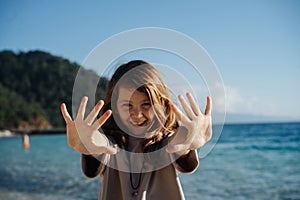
184 153
99 139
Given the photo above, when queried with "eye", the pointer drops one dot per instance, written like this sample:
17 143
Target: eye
126 105
146 105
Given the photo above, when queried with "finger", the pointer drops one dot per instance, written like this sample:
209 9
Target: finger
81 110
98 123
177 148
65 114
186 107
208 134
208 106
110 150
93 114
179 114
97 150
193 104
102 150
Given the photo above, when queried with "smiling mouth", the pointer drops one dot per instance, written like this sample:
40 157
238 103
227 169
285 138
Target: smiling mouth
140 124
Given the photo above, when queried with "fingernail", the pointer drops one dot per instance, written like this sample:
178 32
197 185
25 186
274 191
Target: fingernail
100 102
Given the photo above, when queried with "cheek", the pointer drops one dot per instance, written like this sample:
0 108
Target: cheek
122 119
123 114
150 114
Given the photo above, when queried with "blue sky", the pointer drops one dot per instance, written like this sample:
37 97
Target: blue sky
255 44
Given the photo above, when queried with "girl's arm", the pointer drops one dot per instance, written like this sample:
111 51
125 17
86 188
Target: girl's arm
187 163
195 131
94 165
90 165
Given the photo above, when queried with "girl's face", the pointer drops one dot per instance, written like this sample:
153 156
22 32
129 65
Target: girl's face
135 111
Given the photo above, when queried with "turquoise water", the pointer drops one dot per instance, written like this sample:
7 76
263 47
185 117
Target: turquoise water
253 161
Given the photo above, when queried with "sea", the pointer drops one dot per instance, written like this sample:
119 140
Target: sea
249 161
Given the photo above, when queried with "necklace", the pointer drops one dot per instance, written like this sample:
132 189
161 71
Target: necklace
135 188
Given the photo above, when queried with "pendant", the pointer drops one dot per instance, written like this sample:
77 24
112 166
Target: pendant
135 193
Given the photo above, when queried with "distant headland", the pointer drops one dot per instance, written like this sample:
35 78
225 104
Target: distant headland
32 86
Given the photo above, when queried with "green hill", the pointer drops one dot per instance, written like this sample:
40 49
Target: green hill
34 84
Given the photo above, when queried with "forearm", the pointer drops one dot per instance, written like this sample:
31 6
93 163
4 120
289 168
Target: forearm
90 165
93 165
187 163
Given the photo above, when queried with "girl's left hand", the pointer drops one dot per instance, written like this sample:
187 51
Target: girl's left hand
196 128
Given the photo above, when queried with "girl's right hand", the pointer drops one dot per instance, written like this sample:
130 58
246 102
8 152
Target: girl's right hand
83 135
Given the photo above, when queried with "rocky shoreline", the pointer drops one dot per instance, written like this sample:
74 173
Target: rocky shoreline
42 131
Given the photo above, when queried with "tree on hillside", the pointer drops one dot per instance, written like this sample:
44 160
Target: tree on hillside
35 84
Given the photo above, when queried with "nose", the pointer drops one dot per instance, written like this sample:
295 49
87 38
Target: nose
136 113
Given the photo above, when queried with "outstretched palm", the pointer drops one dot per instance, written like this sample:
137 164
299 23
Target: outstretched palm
196 128
83 134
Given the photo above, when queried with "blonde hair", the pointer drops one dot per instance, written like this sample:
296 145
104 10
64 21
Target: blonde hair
147 80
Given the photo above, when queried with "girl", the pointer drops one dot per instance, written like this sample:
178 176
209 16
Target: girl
142 140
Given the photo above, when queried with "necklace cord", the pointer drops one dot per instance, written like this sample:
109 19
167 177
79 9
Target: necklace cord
139 182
